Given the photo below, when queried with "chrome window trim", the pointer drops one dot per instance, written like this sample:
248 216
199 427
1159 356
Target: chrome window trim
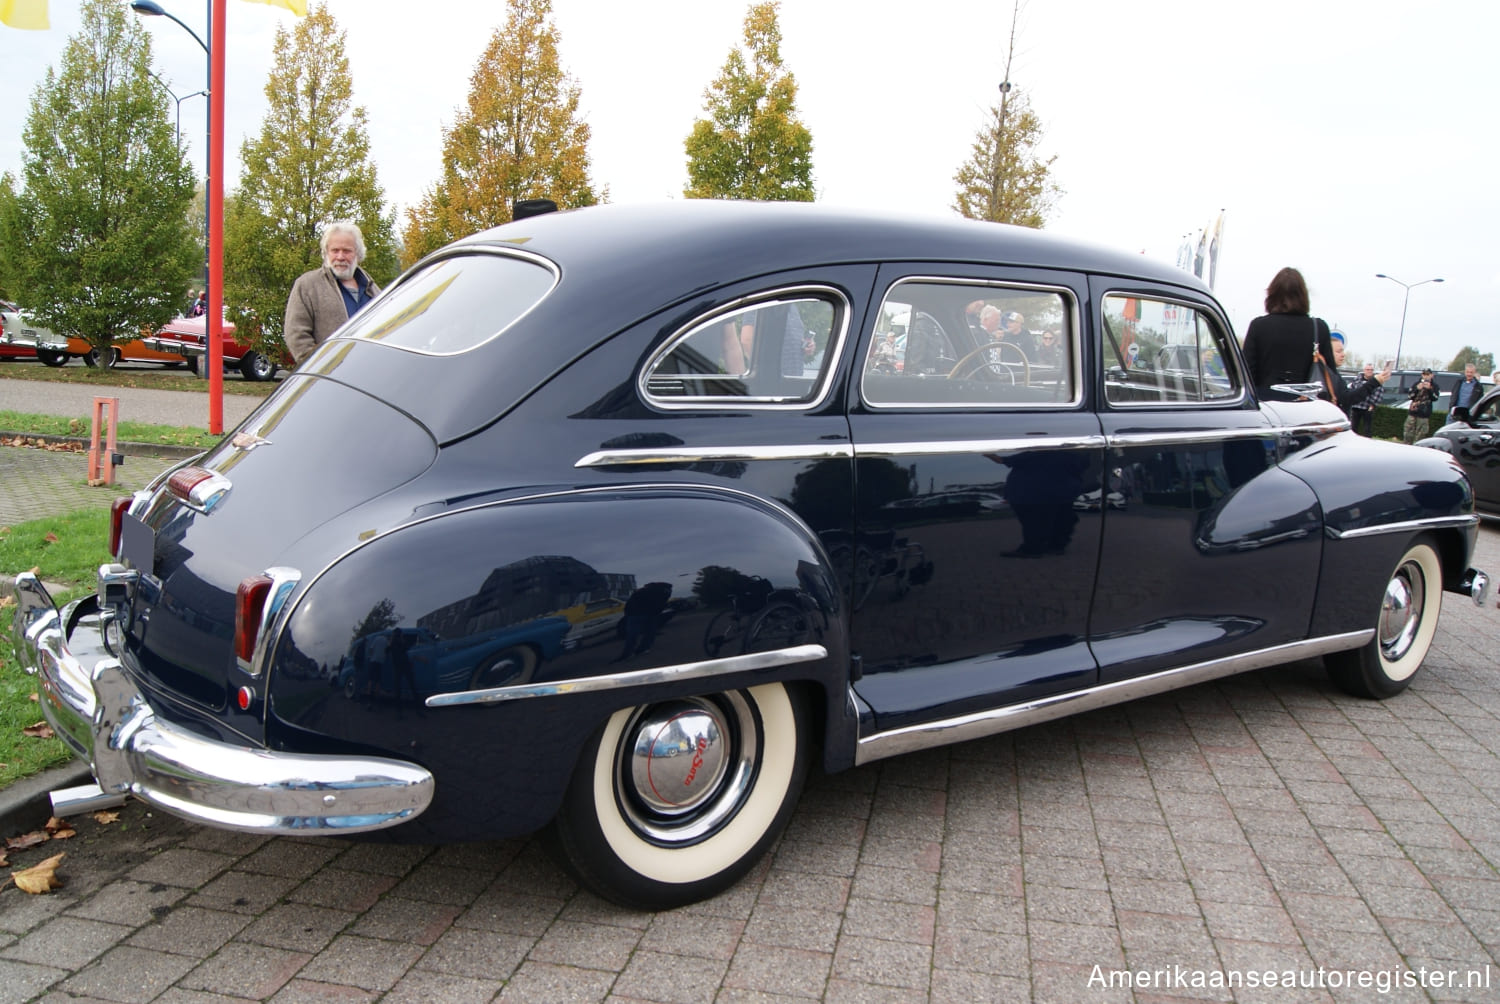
459 251
705 454
640 678
1075 319
979 724
766 297
1224 329
1404 526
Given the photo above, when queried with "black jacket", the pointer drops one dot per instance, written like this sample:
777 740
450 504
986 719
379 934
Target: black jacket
1278 349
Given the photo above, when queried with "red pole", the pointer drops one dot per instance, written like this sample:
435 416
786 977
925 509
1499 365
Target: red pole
215 329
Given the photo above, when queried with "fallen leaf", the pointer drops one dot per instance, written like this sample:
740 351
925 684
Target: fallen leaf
27 840
51 538
105 817
4 860
60 829
41 730
33 698
39 879
7 601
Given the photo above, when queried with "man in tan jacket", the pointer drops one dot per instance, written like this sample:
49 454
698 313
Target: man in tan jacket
323 299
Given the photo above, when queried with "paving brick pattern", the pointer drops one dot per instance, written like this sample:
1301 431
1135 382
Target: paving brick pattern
1264 823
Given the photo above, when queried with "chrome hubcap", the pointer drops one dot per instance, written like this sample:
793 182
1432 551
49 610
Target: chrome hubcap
686 766
1401 612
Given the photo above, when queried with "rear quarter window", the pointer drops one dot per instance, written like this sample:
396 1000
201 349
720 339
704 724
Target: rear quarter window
455 303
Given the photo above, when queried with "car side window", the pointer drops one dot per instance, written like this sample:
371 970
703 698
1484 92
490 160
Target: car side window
957 344
1162 352
776 350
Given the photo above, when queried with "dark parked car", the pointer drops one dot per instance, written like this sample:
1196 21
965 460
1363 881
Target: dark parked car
676 416
1475 444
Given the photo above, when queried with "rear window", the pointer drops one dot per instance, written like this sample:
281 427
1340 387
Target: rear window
455 303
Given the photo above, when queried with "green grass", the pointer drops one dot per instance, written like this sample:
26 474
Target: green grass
150 379
125 432
66 550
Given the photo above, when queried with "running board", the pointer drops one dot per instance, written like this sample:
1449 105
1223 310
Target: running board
1015 716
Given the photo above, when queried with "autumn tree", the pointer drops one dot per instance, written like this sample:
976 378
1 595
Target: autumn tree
520 138
1005 180
1484 362
94 233
752 144
309 166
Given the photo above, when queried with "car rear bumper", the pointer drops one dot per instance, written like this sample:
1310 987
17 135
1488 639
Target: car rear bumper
107 721
181 348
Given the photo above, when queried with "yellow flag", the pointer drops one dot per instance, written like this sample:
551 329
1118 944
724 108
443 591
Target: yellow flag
298 7
25 14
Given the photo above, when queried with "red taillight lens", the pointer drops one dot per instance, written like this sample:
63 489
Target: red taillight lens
249 601
203 490
117 510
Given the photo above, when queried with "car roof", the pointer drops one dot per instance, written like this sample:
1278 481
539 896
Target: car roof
618 265
772 236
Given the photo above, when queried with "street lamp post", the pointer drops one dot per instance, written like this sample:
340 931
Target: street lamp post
1408 286
213 326
196 94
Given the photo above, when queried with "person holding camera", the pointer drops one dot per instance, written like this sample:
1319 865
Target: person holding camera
1419 408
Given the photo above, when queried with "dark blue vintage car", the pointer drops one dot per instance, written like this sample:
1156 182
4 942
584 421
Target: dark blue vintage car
1474 441
794 502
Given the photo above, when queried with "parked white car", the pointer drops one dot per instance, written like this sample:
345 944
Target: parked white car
21 339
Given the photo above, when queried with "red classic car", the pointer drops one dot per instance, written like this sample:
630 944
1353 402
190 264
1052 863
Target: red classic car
185 336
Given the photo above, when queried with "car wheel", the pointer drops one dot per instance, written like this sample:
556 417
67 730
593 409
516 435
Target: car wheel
47 357
91 358
513 665
1404 628
255 366
674 802
192 364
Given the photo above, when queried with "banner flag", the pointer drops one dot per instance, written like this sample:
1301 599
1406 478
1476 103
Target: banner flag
298 7
30 15
1213 250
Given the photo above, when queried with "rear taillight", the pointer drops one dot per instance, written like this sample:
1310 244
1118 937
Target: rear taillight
249 605
201 489
117 510
258 603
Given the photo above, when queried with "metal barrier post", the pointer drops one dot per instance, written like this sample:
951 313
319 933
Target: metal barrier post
102 463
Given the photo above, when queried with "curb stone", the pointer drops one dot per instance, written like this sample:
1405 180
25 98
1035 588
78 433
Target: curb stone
129 449
24 805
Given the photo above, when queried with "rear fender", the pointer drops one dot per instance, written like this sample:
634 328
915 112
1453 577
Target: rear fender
488 643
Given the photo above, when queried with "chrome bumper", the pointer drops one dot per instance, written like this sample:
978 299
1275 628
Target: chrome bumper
105 719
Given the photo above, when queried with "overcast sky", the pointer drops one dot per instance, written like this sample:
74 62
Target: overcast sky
1344 138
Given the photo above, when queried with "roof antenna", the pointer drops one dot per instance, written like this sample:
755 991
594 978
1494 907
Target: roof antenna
524 208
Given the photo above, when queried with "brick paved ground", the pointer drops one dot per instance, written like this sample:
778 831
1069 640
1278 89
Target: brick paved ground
1266 822
41 482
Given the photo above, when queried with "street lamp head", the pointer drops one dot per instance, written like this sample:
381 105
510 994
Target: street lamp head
147 7
1005 87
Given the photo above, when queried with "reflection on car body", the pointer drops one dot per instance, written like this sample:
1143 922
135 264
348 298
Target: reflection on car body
684 521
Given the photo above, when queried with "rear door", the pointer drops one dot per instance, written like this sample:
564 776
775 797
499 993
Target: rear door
978 478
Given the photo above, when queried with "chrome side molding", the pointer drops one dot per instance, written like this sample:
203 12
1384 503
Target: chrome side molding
1014 716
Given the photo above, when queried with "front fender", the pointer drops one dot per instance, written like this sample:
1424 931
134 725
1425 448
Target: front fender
595 600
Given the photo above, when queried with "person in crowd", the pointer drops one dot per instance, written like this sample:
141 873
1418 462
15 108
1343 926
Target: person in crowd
1047 350
200 304
324 298
1016 333
1282 344
1419 408
1362 415
1467 394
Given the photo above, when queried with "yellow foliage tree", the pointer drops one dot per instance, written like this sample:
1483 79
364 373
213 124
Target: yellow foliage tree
520 138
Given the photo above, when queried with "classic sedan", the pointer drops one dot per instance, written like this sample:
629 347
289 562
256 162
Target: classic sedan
186 337
680 413
22 339
1475 444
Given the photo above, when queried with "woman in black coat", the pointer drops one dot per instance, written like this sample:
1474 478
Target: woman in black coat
1279 345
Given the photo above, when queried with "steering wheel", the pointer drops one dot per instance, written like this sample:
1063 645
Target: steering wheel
996 366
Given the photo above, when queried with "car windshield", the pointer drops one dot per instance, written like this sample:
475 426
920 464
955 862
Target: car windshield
454 303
